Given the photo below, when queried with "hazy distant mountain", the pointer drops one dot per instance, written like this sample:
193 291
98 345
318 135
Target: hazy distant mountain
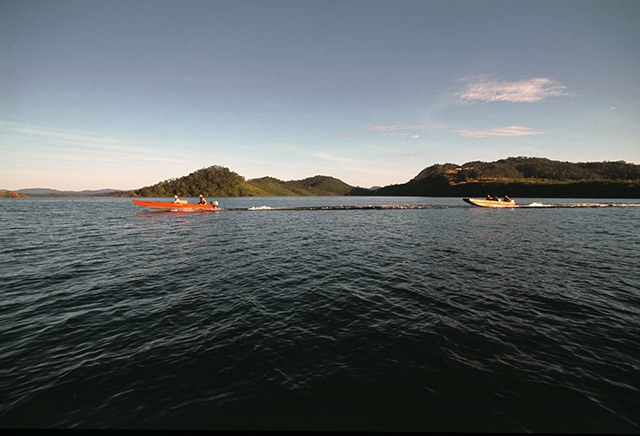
55 192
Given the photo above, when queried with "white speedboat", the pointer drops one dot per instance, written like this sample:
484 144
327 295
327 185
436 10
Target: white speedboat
481 202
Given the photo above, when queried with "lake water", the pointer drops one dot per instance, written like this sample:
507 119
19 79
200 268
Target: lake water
325 314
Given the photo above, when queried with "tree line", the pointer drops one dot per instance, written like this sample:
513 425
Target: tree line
541 168
521 176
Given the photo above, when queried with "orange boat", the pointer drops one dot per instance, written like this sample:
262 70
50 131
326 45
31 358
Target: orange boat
169 205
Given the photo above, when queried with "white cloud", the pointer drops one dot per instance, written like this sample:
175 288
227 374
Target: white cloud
524 91
507 131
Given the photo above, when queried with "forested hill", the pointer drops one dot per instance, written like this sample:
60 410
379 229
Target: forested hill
516 168
514 176
317 185
524 177
215 180
221 182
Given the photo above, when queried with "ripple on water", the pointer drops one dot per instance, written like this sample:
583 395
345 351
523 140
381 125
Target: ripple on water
437 319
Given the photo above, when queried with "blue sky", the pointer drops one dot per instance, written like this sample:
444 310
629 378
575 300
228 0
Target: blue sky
126 93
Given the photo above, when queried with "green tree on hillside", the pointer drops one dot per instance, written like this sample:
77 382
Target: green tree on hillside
211 181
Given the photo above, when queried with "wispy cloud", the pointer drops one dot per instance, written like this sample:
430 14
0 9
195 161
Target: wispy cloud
330 157
108 147
420 153
524 91
400 127
507 131
394 129
78 138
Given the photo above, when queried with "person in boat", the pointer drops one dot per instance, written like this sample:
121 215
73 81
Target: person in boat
202 200
492 198
177 200
506 198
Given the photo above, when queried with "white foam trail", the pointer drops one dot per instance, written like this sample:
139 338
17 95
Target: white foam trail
260 208
583 205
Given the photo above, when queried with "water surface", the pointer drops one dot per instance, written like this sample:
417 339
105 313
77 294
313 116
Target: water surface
321 314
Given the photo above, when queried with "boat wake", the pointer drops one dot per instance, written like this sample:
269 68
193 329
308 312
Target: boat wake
535 205
430 206
354 207
578 205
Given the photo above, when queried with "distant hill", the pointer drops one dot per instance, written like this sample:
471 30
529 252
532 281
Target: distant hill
221 182
317 185
524 177
46 192
10 194
212 181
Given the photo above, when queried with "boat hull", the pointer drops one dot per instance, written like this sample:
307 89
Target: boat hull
489 203
166 205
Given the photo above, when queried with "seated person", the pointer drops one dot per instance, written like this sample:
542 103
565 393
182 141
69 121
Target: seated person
176 200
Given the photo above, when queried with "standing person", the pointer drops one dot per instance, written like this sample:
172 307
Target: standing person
202 200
